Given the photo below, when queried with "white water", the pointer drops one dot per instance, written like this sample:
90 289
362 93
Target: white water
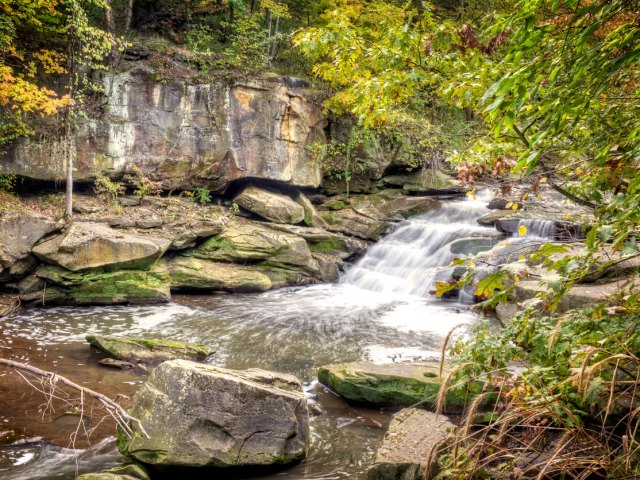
409 259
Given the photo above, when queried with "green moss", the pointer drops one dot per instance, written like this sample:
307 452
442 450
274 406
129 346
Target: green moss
328 217
328 245
380 389
338 205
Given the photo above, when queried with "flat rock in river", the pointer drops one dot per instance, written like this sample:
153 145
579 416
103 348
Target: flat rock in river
414 437
401 383
143 349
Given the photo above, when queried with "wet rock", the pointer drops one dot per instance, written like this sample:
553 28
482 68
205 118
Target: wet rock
411 446
387 384
145 350
87 245
187 135
51 285
199 415
472 245
8 304
19 232
105 476
199 274
113 363
131 471
243 241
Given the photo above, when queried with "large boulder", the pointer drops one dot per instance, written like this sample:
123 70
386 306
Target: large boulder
19 232
198 274
270 205
146 349
252 242
51 285
401 383
199 415
87 245
411 446
186 135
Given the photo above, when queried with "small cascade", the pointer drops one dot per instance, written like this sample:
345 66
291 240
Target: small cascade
410 258
538 228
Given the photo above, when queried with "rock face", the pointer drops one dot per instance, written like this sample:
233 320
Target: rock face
19 232
270 205
187 135
199 415
387 384
142 349
412 436
91 245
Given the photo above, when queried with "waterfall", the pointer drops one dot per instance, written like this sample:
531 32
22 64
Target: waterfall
538 228
409 259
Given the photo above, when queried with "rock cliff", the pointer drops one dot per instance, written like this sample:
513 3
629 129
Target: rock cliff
186 135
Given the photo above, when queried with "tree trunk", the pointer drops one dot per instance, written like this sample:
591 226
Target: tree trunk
127 17
268 21
275 43
111 29
468 113
253 7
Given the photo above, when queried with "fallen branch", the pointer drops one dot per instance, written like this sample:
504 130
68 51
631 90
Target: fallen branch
119 414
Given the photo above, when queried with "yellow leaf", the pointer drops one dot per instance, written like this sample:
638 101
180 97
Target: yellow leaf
539 197
525 196
566 216
522 230
514 206
517 278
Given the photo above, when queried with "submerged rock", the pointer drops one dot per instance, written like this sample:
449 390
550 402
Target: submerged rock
270 205
411 446
87 245
199 415
387 384
144 349
131 471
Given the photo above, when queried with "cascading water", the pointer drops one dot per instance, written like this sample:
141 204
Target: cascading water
408 259
380 311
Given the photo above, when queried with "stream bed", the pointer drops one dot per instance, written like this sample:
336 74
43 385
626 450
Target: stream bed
380 311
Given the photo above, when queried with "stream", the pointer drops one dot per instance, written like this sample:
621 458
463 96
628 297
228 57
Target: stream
380 310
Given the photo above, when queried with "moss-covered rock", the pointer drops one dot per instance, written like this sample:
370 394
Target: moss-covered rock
199 274
51 285
144 349
387 384
253 242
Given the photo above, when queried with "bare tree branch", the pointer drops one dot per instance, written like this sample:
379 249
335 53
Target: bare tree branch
119 414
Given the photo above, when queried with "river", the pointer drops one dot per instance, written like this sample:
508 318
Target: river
380 310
